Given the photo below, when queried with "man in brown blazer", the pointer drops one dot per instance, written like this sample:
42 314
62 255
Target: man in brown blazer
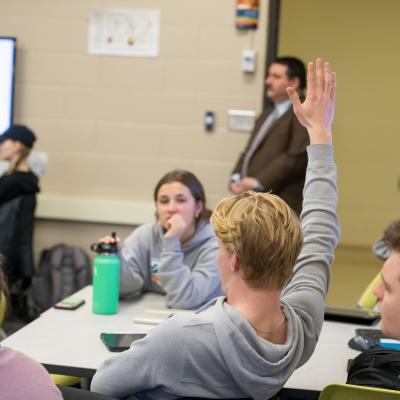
275 157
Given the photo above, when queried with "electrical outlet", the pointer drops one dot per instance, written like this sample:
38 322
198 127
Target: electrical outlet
241 120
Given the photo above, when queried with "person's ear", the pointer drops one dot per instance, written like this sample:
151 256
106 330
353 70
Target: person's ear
198 209
18 145
234 263
295 83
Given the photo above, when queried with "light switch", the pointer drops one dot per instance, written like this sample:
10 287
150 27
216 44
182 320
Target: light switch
249 61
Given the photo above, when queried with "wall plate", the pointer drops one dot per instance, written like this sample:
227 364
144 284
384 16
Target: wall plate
241 120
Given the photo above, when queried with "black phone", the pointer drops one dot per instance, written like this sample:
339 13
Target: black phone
120 341
70 303
374 333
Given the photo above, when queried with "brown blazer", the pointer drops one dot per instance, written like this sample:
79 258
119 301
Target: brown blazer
280 161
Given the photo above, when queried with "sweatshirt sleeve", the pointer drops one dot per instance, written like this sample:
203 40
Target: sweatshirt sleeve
134 261
188 287
308 287
157 360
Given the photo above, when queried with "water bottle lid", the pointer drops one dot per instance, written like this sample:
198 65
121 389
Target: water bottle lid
105 248
108 248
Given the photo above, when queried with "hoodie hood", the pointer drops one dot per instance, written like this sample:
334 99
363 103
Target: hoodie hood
259 367
203 233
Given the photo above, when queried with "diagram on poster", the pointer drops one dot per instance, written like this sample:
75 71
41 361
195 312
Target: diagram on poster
121 32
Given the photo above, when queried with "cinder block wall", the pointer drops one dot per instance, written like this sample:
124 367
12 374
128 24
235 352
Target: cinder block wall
113 125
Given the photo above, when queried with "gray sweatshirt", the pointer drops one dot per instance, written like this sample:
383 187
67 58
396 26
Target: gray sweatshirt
215 353
187 274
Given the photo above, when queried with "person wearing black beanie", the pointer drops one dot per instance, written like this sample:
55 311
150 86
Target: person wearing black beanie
15 146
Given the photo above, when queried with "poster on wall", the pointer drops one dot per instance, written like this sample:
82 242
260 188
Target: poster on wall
119 32
247 12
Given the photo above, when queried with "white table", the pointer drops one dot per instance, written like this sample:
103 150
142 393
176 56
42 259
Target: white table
68 342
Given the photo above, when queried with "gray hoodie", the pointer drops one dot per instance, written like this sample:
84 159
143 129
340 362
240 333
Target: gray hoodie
216 353
187 274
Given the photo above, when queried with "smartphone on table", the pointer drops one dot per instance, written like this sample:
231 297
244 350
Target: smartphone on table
374 333
70 303
120 341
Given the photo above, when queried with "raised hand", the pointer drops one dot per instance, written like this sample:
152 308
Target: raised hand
316 113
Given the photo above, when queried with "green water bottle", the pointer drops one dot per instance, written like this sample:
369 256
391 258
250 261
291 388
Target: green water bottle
106 266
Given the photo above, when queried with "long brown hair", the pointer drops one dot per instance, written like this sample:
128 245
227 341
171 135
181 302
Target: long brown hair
191 182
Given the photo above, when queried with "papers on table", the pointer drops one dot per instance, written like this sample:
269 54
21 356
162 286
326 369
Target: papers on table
155 316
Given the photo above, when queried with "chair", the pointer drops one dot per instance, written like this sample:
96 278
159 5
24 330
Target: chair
16 244
16 237
352 392
80 394
368 298
65 380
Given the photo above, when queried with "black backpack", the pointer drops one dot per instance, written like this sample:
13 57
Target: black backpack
377 367
62 271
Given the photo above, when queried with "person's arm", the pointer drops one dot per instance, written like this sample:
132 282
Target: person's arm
4 187
9 188
188 287
307 289
134 261
151 362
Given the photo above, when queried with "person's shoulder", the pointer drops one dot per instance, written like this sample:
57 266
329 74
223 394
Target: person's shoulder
206 228
143 230
204 237
142 234
180 323
20 361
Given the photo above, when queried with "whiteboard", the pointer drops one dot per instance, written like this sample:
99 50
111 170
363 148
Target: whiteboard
7 58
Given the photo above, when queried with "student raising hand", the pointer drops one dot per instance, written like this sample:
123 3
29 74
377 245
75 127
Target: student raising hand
316 113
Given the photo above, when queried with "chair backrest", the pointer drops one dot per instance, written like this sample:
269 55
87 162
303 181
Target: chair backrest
368 298
352 392
16 236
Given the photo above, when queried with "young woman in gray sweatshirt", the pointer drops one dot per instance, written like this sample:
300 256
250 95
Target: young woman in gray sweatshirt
177 255
275 272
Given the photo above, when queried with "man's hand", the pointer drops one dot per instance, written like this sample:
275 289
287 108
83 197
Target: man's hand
235 187
244 184
316 113
249 183
176 226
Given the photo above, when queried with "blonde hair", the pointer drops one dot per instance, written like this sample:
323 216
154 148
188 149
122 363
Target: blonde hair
265 235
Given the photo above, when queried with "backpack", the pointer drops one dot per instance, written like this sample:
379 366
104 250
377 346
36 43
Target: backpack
377 367
62 271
